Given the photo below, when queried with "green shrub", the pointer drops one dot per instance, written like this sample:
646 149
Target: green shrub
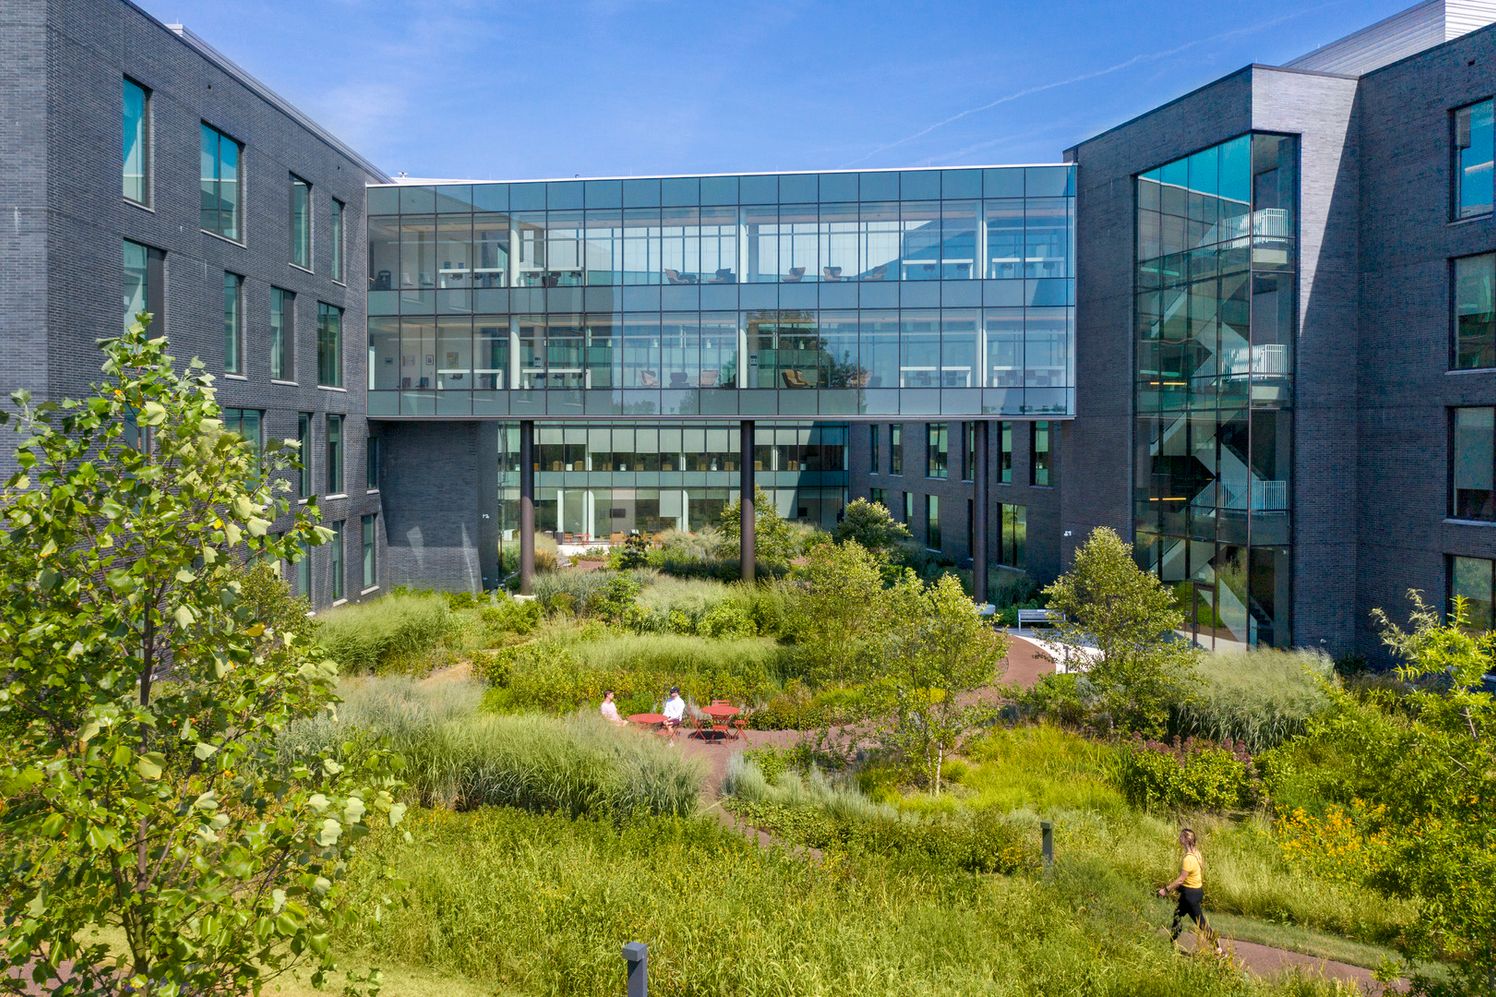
1260 698
510 616
560 673
386 634
547 555
1193 775
798 707
460 759
1057 698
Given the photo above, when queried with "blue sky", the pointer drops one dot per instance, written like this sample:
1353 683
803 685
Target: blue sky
498 89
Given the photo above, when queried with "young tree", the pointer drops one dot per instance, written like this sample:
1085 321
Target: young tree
773 538
871 525
842 617
1417 792
140 788
1123 619
941 650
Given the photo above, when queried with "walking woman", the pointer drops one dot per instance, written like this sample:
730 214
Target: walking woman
1191 886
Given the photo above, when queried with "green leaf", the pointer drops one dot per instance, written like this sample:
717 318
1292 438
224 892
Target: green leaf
353 810
330 833
397 814
184 616
151 414
151 765
204 751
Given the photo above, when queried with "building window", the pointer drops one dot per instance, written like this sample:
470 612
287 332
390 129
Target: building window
142 285
337 560
329 345
896 449
969 458
336 228
304 571
872 447
247 423
371 465
1471 577
301 222
137 143
304 441
282 334
1473 154
878 496
932 522
1013 536
334 454
908 508
371 573
937 449
1039 453
1472 453
221 162
1475 311
233 323
1005 453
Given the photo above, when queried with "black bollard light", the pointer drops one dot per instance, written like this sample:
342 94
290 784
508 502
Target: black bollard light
636 954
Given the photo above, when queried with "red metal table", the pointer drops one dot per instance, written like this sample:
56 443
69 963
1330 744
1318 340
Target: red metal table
647 719
721 712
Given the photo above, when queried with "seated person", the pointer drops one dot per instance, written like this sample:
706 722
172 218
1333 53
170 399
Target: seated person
675 708
609 710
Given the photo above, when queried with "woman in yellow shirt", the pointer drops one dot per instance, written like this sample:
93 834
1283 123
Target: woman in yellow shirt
1191 886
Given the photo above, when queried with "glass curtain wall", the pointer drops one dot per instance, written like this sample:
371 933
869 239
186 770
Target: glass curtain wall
838 295
1216 293
595 483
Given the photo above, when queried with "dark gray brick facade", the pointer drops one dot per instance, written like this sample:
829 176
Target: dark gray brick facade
65 219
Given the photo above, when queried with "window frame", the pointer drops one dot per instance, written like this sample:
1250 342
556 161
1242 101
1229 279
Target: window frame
325 310
234 348
1451 506
1449 579
146 139
1454 311
305 480
896 449
369 551
1005 452
155 284
1457 173
336 555
238 237
932 524
371 464
332 435
1046 470
337 215
285 333
302 238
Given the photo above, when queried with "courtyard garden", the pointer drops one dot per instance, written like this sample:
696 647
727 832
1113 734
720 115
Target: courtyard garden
209 791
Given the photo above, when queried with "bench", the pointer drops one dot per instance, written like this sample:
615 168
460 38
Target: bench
1028 617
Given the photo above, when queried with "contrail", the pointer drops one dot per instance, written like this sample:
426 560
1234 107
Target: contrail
1118 67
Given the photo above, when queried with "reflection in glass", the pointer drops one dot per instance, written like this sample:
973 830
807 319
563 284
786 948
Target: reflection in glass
1474 150
136 130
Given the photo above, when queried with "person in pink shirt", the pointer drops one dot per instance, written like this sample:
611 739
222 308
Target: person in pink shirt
609 710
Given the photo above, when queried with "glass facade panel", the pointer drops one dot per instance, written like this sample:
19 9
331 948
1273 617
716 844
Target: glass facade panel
896 449
136 150
605 297
137 285
932 522
1215 305
1005 453
330 345
301 222
1474 150
221 190
282 334
1475 311
233 323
